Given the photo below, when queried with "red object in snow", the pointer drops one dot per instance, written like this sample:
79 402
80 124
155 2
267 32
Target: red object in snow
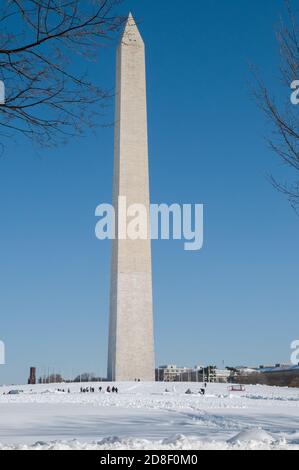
237 388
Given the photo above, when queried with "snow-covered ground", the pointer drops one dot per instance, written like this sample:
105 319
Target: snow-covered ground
145 416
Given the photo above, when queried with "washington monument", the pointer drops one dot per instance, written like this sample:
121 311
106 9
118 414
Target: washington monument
131 343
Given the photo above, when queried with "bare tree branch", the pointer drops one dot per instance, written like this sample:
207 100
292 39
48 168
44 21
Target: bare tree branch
284 118
47 99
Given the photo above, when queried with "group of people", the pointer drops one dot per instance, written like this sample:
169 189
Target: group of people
112 390
89 390
92 389
202 391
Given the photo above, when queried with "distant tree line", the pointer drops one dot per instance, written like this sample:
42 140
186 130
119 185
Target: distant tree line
279 379
51 379
58 378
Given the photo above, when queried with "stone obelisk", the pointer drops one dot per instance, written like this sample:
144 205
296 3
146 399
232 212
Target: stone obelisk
131 343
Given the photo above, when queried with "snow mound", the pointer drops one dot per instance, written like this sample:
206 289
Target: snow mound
248 440
143 416
178 442
252 436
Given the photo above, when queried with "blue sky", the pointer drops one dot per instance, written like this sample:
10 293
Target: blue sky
236 300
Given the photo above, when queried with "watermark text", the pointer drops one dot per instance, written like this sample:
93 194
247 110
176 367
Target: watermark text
295 354
161 222
2 92
2 353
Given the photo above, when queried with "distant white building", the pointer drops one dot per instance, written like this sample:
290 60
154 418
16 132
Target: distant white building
169 373
220 375
173 373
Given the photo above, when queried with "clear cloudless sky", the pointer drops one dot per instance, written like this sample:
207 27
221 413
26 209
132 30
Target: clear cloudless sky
236 300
